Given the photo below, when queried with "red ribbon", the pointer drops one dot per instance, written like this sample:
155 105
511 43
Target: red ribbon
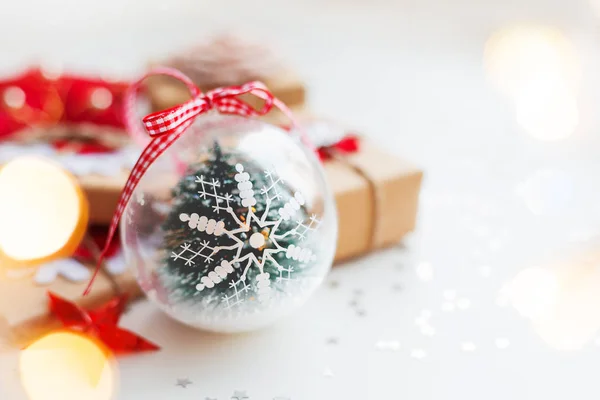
100 323
165 127
347 145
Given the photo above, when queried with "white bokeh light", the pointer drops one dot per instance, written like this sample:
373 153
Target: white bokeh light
101 98
425 271
14 97
561 302
547 191
547 111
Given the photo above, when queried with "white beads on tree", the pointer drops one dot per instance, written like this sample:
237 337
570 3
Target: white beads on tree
263 288
245 186
215 276
203 224
291 206
299 254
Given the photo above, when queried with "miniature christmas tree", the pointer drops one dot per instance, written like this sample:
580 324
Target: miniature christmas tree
235 231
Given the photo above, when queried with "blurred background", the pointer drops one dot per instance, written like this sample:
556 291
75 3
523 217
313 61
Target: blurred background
496 101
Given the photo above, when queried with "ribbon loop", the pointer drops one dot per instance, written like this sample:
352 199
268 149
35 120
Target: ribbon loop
225 100
165 127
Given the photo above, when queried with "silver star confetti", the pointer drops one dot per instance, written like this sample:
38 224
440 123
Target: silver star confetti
425 271
332 340
392 345
333 284
502 343
239 395
418 354
183 382
468 347
463 303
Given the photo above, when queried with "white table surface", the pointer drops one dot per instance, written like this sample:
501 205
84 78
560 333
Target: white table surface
495 202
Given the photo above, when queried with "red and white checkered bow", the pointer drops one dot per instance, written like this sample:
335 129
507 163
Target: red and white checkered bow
165 127
177 119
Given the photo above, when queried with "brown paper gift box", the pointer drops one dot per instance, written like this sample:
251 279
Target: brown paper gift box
165 92
24 314
376 196
225 60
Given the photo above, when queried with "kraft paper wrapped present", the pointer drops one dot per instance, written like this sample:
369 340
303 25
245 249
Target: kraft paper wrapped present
221 62
377 197
165 92
376 193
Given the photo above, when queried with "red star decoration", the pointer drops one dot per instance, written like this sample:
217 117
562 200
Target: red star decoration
100 323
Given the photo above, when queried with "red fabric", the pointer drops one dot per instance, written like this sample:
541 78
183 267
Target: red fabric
100 323
78 93
87 147
349 144
67 99
42 103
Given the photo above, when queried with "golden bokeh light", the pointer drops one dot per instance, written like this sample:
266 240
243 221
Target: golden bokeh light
43 210
516 55
533 292
560 301
68 366
539 68
595 6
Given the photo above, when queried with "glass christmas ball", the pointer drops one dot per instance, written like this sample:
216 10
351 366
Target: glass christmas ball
232 227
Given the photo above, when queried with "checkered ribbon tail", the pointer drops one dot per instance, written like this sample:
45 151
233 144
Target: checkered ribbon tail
165 127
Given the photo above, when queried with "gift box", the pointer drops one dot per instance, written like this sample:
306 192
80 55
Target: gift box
377 198
221 62
376 193
24 311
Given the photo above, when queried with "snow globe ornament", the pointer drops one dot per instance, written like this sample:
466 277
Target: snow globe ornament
232 226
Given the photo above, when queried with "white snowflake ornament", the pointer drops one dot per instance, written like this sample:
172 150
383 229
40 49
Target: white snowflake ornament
257 249
247 227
